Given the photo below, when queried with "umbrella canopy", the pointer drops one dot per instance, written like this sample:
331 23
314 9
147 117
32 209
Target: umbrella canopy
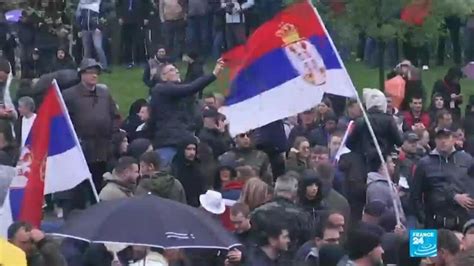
148 221
13 15
469 70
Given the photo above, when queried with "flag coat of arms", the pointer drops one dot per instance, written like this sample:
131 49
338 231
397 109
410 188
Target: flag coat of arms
285 68
51 161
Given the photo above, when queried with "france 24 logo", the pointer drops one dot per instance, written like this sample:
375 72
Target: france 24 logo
423 243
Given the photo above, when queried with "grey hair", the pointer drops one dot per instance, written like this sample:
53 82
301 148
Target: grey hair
28 102
286 184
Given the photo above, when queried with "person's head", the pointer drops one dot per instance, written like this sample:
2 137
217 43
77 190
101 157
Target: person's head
26 106
464 258
330 122
326 172
149 163
375 99
410 142
375 163
303 147
18 234
254 193
324 106
210 100
161 52
326 234
60 54
444 119
319 154
90 71
437 101
454 75
444 140
170 73
190 152
448 247
245 172
138 147
373 211
210 117
416 104
353 109
119 143
364 246
286 186
4 70
307 117
459 137
334 144
240 217
336 220
212 202
225 174
310 187
275 235
331 254
468 232
127 169
144 113
243 140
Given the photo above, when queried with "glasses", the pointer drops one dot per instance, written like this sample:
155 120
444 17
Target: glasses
244 135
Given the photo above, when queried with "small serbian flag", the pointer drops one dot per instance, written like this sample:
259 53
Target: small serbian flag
51 161
285 68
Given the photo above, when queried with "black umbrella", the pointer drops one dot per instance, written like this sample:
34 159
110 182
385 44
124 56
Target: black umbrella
147 221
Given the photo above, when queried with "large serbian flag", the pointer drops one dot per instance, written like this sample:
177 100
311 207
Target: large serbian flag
51 161
284 68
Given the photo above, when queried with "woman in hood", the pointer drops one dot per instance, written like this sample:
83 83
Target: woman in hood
310 195
63 60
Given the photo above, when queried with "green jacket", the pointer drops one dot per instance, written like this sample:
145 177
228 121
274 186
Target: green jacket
254 158
164 185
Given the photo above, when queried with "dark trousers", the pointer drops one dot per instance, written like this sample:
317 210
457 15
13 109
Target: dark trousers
418 55
455 39
78 197
198 34
234 34
174 35
132 43
361 45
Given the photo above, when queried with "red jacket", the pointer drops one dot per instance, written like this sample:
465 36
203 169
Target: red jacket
225 217
409 120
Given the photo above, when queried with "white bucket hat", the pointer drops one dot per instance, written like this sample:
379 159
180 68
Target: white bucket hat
212 202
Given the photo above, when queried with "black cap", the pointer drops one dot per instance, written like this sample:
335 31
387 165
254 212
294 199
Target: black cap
410 136
210 112
375 208
443 132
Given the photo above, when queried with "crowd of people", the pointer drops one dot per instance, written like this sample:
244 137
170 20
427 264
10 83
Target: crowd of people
297 199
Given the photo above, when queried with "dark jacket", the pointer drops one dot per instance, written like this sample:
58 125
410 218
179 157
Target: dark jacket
385 130
168 117
33 69
195 70
94 115
437 180
26 34
163 185
258 160
256 257
271 138
319 136
133 11
219 142
307 255
189 174
299 221
47 254
66 63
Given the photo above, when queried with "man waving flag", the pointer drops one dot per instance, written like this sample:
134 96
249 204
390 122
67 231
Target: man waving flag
285 68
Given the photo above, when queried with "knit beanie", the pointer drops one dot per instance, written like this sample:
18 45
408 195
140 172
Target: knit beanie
375 98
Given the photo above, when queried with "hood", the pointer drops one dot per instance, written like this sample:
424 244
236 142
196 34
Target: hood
375 98
136 106
179 157
374 176
138 147
160 184
217 179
